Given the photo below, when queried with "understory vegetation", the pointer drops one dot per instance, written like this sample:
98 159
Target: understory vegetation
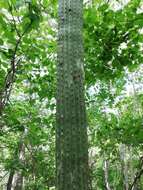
113 80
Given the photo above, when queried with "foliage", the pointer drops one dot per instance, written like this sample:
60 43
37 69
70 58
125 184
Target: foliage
113 66
112 40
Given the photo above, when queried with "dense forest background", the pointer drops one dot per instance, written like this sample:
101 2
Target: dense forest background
113 57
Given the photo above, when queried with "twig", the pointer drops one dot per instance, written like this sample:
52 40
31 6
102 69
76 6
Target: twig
14 21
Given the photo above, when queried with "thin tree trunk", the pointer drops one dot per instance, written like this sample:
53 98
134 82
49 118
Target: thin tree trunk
16 157
106 176
72 171
124 167
10 180
19 176
18 181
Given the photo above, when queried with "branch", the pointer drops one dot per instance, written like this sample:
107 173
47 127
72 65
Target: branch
137 175
9 79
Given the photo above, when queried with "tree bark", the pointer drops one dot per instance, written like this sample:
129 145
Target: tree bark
71 126
124 167
18 181
106 176
10 180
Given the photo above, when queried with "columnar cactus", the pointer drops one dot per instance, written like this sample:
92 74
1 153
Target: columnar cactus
71 125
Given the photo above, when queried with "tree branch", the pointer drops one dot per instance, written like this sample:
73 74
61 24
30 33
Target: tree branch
9 79
137 175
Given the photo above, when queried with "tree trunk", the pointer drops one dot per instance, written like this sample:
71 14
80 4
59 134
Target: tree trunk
19 175
17 154
10 180
124 167
106 176
71 126
18 181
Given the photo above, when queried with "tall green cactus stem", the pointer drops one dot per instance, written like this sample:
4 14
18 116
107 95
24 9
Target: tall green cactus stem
71 125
